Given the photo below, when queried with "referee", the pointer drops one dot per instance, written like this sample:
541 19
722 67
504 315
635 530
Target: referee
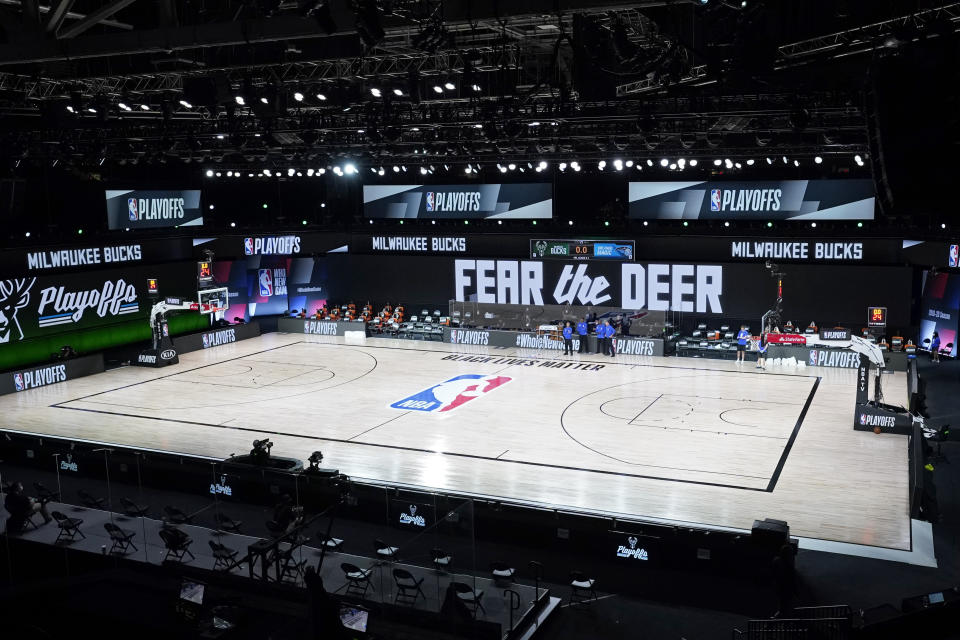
582 333
567 339
742 338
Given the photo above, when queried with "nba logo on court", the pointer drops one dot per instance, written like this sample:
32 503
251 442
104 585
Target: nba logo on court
451 394
18 381
954 255
714 199
266 282
248 246
132 208
430 201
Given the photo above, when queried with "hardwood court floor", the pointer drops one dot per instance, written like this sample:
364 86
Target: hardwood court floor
690 440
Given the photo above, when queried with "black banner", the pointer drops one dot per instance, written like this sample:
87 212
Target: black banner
137 209
44 375
291 245
215 337
524 201
755 200
415 516
87 257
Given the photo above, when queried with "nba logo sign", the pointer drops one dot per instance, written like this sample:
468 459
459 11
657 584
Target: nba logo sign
132 208
18 381
248 246
954 255
813 358
430 200
714 199
206 341
452 393
266 282
863 418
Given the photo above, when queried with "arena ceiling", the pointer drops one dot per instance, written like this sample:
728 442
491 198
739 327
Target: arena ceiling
271 81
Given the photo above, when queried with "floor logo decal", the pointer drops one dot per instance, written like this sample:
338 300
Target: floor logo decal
451 394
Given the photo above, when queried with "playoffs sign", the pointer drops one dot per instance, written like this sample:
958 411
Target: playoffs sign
135 209
459 201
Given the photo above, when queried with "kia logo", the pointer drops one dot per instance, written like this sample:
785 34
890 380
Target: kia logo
169 354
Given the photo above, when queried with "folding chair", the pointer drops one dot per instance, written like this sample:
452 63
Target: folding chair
358 580
581 588
223 556
69 527
408 587
331 543
90 501
291 569
122 539
384 551
45 495
441 559
176 516
177 544
502 572
467 595
226 523
132 509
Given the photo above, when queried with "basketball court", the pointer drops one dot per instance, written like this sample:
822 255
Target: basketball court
668 439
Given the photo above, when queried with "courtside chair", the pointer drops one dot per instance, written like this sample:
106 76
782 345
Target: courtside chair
408 587
226 523
122 539
358 580
176 516
581 587
132 509
291 569
441 560
329 542
384 551
69 527
470 597
223 556
177 544
501 571
89 501
947 349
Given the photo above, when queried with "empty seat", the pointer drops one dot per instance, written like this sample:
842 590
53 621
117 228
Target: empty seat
408 587
122 539
133 509
69 527
329 542
358 580
223 556
441 559
226 523
90 501
176 516
501 571
177 544
581 587
385 551
470 597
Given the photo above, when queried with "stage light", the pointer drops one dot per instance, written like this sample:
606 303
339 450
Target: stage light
239 100
628 163
350 168
70 109
381 171
569 222
437 88
233 224
673 166
601 165
298 96
943 225
403 168
726 224
693 162
510 166
265 206
468 169
219 136
290 172
750 162
769 161
186 104
423 171
563 166
124 106
534 223
796 163
229 174
664 162
681 163
91 110
321 97
738 165
575 166
449 86
859 225
645 223
375 92
686 224
396 169
785 160
769 224
309 173
144 107
717 162
649 162
209 173
218 174
499 221
606 223
211 207
321 171
26 235
475 87
398 92
433 222
813 224
818 160
858 160
618 164
728 163
543 165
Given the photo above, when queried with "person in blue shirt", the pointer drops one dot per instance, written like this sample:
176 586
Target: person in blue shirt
742 338
935 347
582 333
601 337
611 345
762 352
567 339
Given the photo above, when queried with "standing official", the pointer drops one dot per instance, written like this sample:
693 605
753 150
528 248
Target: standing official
582 333
601 337
567 339
611 345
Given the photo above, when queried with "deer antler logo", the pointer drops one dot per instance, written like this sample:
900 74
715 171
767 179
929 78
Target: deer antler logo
633 542
14 295
413 509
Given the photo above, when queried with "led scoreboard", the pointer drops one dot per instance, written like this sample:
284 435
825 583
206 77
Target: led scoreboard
582 249
876 316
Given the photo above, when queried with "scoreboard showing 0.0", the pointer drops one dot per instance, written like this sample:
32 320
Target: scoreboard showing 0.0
582 249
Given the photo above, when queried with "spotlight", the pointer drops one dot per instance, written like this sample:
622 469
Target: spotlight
350 168
818 160
502 168
240 101
618 164
813 224
437 88
511 166
321 97
717 162
475 87
71 109
796 163
601 165
91 110
144 107
649 162
423 171
124 106
738 165
186 104
375 92
396 169
728 163
298 96
858 160
563 166
264 100
628 163
398 92
449 86
943 225
673 166
664 162
575 166
693 162
209 173
750 162
726 224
